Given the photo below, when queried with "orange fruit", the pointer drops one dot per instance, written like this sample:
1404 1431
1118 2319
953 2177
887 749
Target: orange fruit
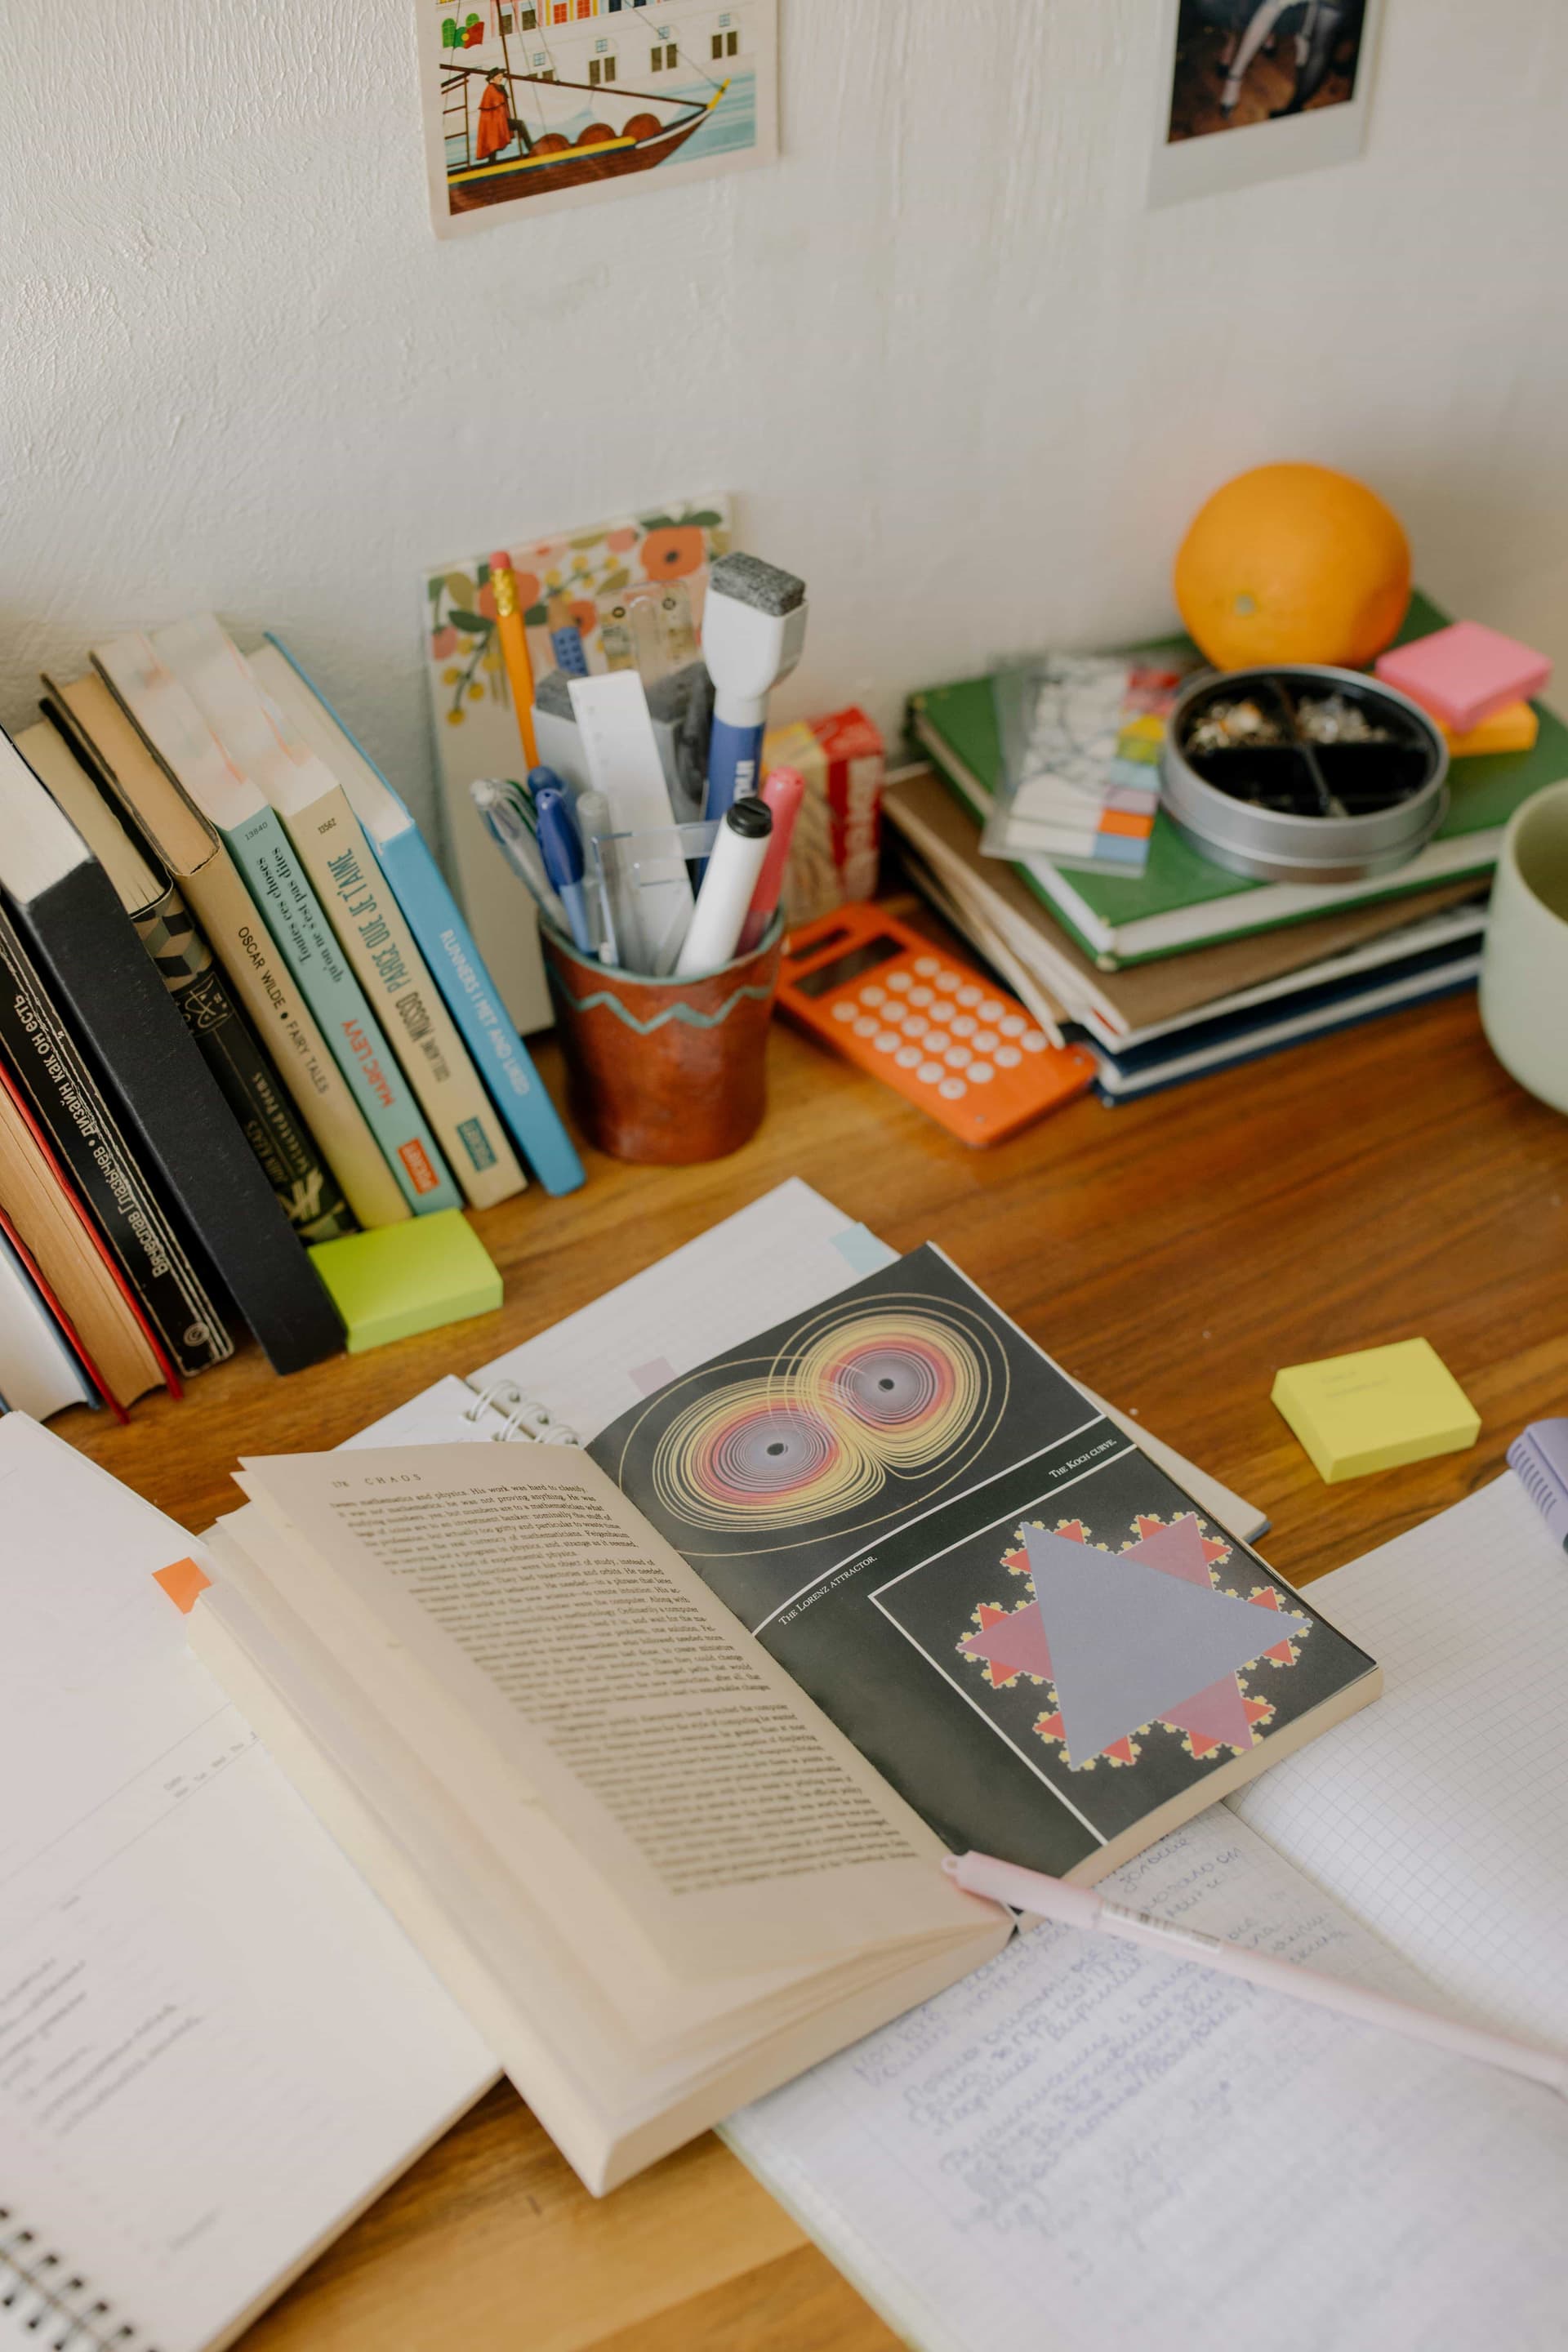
1293 564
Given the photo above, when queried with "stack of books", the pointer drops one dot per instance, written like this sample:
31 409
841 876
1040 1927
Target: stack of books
240 1016
1185 967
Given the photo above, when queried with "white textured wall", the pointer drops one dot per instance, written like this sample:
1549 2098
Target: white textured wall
955 372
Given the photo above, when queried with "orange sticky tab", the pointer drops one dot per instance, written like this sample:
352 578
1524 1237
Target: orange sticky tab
182 1580
1127 822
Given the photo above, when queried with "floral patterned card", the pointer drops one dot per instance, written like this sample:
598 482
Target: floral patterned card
623 595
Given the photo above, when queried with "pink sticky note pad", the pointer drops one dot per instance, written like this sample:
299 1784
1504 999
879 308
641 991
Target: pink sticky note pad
1462 674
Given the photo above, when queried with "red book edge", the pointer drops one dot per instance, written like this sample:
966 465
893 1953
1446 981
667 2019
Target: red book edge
68 1331
85 1218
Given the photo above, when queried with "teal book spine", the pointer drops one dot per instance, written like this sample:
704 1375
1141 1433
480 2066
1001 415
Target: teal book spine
293 915
474 1001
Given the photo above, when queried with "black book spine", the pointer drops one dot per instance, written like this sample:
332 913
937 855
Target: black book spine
42 1056
309 1194
154 1076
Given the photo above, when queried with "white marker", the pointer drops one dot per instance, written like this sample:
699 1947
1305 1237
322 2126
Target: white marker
753 627
733 866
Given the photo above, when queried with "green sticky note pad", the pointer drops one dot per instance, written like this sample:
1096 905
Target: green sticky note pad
1374 1410
399 1279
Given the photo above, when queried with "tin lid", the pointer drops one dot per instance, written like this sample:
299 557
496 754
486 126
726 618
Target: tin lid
1302 773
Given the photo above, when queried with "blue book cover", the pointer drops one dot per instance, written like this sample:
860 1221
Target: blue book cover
447 946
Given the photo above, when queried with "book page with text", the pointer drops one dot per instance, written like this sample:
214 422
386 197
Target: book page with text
521 1613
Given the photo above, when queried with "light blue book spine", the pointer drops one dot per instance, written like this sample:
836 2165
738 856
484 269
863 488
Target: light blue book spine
445 941
293 915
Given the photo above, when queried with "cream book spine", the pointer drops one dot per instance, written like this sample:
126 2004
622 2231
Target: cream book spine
196 860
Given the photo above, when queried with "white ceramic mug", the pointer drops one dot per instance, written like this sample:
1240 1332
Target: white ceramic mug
1524 971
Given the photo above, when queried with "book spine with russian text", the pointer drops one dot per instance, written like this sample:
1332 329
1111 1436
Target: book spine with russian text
85 1137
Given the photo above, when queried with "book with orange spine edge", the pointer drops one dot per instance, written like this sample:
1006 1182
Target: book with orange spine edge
170 1378
67 1329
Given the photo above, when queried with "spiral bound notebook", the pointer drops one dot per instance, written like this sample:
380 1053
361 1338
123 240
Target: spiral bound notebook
785 1251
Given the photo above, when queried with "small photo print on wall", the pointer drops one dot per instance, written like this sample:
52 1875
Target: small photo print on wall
1255 89
531 105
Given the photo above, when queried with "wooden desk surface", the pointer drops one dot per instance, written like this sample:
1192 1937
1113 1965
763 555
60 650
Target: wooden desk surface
1174 1252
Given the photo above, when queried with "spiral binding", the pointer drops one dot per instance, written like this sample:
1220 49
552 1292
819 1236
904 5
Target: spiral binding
522 1419
58 2306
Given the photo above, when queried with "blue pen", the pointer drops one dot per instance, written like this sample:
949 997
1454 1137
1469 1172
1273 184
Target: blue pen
561 847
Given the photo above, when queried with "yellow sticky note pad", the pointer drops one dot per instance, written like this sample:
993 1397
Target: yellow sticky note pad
1376 1409
398 1280
1514 727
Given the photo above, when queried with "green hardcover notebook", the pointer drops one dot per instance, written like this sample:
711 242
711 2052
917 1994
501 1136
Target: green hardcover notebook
1180 900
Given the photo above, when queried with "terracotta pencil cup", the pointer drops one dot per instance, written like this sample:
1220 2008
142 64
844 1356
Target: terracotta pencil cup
665 1072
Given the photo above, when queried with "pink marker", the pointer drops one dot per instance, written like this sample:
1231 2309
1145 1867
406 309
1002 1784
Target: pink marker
1081 1907
782 789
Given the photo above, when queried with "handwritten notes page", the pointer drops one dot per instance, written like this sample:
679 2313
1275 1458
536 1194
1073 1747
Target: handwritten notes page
1086 2147
214 2043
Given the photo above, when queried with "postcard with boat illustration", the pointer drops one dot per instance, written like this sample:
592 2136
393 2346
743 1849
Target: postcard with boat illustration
539 103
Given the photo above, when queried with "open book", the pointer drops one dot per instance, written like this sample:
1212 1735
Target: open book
1087 2144
655 1747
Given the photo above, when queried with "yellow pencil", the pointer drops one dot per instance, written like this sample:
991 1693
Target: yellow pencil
514 651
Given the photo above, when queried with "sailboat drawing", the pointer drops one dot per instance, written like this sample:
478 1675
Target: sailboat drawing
509 133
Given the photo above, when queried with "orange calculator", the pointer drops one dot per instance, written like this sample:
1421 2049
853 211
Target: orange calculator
935 1029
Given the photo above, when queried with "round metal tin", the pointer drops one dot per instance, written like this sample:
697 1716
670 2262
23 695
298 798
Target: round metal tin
1293 844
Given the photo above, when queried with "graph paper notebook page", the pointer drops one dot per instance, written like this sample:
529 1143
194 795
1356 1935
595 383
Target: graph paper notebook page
1441 1818
214 2046
1429 1834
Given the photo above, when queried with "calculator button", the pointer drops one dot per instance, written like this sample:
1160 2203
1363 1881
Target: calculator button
919 996
991 1009
957 1058
953 1089
980 1074
844 1013
970 995
913 1024
900 980
867 1026
906 1056
963 1024
986 1041
929 1072
1014 1025
949 982
873 996
1008 1057
887 1041
926 966
941 1012
1033 1040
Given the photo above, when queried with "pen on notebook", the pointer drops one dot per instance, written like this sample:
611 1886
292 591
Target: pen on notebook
514 650
733 863
495 804
561 851
782 791
1081 1907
